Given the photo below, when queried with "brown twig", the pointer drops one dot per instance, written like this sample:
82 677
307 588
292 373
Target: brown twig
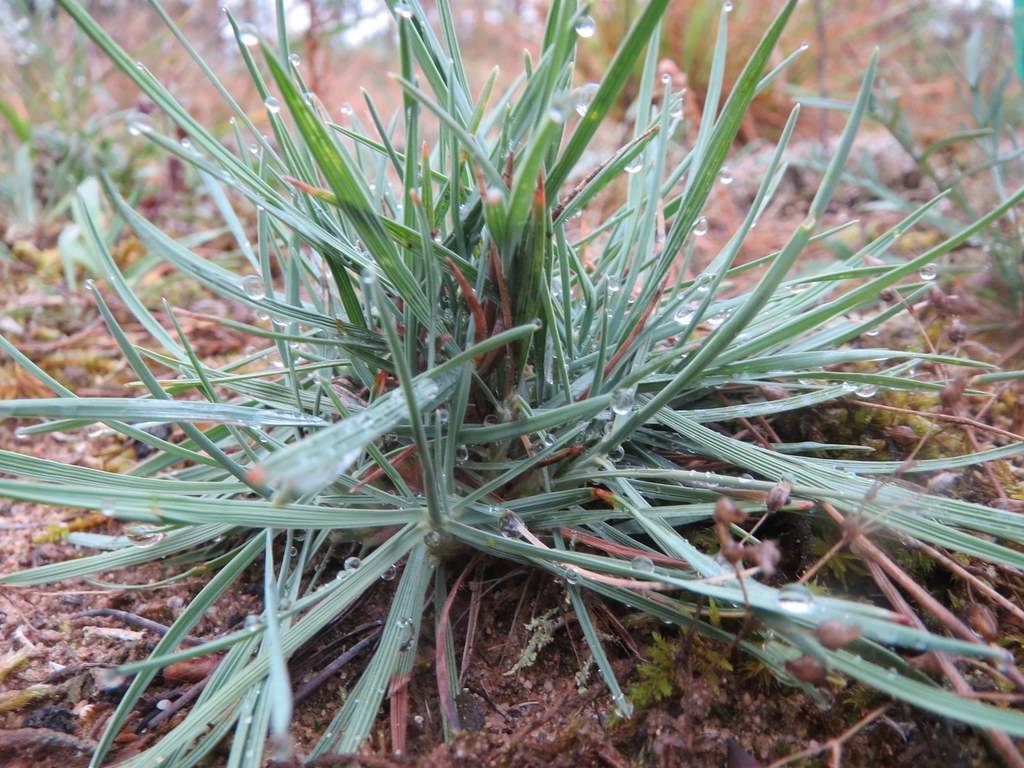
836 744
448 708
978 583
190 695
133 620
945 417
621 549
475 590
872 554
999 740
318 679
575 191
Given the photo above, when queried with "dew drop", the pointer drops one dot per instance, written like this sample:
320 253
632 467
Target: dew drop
252 623
703 282
872 331
404 10
614 284
700 226
163 704
715 321
138 126
725 176
928 272
461 454
584 95
585 26
666 79
248 36
642 563
622 401
252 286
108 507
616 454
346 109
634 166
389 573
727 6
294 60
683 316
867 390
796 599
272 104
352 564
623 707
406 632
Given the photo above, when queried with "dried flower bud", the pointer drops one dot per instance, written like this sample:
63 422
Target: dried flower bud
956 331
937 298
778 497
983 621
726 512
765 555
769 392
807 669
732 552
929 664
834 634
902 434
952 392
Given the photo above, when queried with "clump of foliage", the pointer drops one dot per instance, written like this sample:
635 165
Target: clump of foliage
445 368
978 159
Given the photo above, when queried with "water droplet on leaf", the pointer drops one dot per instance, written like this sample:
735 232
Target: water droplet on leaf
796 599
248 35
622 401
585 26
252 286
642 563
